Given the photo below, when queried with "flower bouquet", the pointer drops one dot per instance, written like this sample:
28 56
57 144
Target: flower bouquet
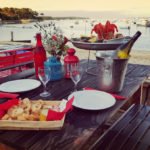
53 39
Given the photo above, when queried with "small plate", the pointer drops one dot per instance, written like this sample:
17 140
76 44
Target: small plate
92 100
17 86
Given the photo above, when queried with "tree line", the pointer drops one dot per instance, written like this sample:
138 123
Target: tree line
17 13
27 13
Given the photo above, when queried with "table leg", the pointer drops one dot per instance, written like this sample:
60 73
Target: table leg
88 68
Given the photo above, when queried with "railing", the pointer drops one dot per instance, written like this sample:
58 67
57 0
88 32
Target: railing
13 59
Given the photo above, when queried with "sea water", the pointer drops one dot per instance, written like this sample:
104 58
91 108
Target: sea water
72 28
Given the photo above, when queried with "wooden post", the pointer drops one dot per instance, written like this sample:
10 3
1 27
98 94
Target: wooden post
12 36
144 90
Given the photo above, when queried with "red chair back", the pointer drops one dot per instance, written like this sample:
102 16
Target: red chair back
23 57
6 61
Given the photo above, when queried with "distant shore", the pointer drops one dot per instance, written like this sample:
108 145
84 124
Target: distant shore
43 18
22 21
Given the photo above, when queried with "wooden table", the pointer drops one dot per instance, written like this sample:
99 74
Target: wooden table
81 127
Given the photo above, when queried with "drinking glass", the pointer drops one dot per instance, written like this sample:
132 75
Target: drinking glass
76 73
44 75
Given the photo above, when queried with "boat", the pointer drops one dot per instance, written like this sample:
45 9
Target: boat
76 22
123 25
148 24
71 26
143 22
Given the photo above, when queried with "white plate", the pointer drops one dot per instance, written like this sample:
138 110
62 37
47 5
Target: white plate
17 86
92 100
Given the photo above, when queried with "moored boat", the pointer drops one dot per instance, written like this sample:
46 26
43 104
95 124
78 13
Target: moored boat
123 25
143 22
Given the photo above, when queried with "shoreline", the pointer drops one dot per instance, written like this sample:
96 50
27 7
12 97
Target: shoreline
137 56
20 21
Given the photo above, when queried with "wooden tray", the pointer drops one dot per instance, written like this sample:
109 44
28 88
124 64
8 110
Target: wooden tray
33 125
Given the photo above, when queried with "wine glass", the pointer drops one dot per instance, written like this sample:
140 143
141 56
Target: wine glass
44 75
76 73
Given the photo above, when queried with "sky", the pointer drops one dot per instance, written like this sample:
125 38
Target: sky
129 7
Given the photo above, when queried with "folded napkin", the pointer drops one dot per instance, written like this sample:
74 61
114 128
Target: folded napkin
114 95
5 106
8 95
53 115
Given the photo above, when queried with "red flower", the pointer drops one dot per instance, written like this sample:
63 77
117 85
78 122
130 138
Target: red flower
54 37
66 40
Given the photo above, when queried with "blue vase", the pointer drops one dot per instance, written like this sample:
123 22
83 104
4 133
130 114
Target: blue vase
56 68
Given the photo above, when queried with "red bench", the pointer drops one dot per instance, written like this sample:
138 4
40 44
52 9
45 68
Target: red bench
14 60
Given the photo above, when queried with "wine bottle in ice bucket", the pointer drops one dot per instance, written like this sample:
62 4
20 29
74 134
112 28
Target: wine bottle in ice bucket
123 51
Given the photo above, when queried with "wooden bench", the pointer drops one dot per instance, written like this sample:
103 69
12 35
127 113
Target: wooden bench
130 132
17 60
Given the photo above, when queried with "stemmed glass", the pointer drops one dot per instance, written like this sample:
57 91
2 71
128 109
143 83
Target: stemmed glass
76 73
44 75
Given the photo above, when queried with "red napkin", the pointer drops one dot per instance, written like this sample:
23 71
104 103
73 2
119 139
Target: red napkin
114 95
5 106
53 115
8 95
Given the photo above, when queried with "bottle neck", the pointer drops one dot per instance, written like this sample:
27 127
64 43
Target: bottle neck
136 36
39 42
123 51
127 46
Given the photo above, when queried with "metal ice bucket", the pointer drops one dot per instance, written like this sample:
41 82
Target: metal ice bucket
110 73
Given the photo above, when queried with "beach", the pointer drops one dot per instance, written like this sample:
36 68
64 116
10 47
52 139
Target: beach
137 56
140 57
